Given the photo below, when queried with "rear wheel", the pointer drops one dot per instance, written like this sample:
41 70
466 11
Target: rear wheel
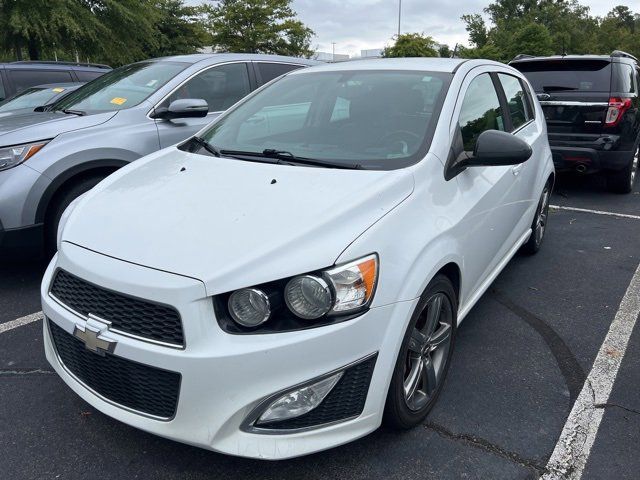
539 225
61 202
424 357
624 180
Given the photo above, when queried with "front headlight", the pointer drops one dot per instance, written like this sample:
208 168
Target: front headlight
313 299
16 154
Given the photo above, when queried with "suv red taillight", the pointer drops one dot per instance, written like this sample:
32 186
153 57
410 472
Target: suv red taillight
617 107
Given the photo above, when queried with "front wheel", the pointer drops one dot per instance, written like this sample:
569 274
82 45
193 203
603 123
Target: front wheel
424 357
623 180
539 225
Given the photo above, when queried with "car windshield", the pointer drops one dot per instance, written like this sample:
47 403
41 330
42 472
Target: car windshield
369 119
122 88
31 98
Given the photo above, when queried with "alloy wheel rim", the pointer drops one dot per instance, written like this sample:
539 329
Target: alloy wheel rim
428 352
543 213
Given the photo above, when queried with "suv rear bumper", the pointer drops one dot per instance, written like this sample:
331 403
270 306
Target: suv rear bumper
24 243
588 153
587 160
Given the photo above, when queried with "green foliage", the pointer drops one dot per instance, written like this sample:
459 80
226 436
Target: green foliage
444 51
258 26
412 45
546 27
179 29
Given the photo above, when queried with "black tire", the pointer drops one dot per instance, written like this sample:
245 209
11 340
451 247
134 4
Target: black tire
61 202
539 224
623 181
397 413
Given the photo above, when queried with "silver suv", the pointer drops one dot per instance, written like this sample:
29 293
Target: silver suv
47 159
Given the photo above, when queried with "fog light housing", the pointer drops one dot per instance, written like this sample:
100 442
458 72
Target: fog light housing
299 401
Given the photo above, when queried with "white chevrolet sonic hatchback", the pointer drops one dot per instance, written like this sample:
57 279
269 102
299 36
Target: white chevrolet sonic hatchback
293 275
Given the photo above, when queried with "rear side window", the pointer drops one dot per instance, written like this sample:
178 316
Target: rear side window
516 100
28 78
3 95
269 71
567 75
624 81
480 111
85 76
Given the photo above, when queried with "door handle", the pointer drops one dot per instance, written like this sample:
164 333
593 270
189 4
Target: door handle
516 169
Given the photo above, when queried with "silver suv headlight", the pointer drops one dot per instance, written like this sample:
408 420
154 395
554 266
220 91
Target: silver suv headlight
16 154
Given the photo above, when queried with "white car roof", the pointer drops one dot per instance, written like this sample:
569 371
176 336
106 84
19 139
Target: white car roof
426 64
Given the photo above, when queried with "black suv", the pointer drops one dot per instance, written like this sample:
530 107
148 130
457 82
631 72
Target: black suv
592 109
18 76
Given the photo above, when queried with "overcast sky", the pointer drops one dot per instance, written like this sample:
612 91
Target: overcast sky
359 24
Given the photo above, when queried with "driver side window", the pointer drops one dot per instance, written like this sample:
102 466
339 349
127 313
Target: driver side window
220 86
481 111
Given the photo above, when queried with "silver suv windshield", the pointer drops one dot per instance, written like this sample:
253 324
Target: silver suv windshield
370 119
124 87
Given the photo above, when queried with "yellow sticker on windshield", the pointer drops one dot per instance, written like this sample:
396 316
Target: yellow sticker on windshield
118 100
58 89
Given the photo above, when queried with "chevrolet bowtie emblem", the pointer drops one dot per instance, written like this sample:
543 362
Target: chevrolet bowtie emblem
92 336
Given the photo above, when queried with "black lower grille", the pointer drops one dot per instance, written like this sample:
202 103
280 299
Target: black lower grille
127 314
133 385
346 400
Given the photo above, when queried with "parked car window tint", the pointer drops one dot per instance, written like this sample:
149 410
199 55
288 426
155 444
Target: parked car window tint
567 75
23 79
85 76
516 99
269 71
220 86
2 92
480 111
624 81
378 119
30 98
122 88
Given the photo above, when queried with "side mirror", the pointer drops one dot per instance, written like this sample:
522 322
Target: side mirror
183 108
493 148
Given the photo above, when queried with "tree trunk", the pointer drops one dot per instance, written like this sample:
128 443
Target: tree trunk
34 51
18 48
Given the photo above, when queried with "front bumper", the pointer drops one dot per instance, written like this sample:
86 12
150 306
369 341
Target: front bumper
224 377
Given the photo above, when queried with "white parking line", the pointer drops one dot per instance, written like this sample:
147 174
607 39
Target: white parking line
597 212
572 451
18 322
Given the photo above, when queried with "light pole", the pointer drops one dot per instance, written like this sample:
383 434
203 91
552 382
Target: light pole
399 15
333 51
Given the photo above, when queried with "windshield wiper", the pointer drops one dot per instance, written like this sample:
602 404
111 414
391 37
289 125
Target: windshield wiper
73 112
212 149
282 156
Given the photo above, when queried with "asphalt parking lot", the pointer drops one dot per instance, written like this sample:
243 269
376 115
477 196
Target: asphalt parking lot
521 359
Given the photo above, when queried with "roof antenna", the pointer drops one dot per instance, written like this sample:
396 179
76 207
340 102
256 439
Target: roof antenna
564 52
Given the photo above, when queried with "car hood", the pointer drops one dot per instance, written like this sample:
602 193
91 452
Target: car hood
33 126
231 223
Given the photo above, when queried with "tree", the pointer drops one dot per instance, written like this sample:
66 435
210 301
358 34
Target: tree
477 29
258 26
115 31
444 51
412 45
179 29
